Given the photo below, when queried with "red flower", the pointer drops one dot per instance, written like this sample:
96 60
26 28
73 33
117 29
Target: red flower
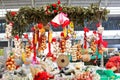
54 5
55 11
40 25
13 13
59 2
60 8
48 7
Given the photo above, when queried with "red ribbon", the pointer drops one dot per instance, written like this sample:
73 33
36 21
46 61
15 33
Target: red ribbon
100 41
25 36
85 36
34 47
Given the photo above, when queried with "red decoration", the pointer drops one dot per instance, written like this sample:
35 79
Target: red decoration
62 34
60 19
65 23
40 25
113 62
34 47
17 37
54 40
32 29
48 7
98 24
60 8
42 76
26 36
100 41
54 5
13 13
86 29
55 11
49 50
59 2
67 37
85 36
94 32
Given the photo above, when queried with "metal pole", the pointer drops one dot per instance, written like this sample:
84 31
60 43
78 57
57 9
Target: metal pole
33 3
69 2
102 60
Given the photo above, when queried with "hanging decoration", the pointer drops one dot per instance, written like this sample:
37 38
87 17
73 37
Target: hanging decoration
100 42
8 30
28 15
60 20
62 43
79 50
34 44
10 63
41 38
54 8
56 48
93 45
85 37
70 30
50 54
18 46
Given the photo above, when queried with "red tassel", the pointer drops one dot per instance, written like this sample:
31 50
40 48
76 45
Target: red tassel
34 47
85 41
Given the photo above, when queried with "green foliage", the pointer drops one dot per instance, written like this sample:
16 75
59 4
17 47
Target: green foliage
28 15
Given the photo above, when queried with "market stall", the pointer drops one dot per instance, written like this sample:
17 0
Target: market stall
50 56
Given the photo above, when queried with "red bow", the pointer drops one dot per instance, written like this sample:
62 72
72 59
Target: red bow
26 36
86 29
17 37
